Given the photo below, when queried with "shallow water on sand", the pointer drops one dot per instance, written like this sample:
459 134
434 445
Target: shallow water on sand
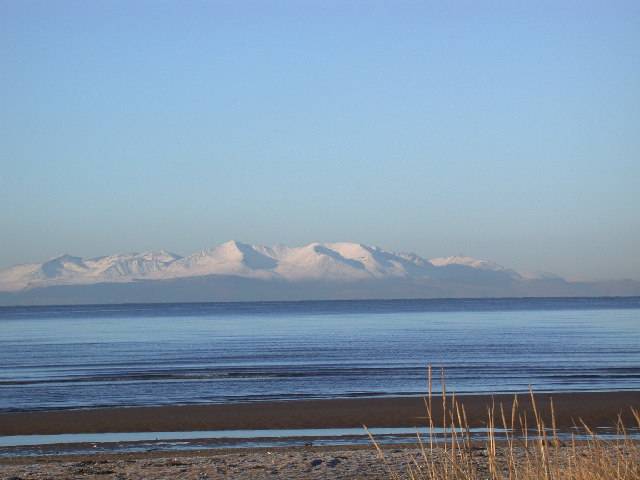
76 357
83 444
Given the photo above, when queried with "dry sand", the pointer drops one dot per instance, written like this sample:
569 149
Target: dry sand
283 463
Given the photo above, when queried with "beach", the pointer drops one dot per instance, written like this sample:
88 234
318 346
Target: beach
599 409
353 462
287 463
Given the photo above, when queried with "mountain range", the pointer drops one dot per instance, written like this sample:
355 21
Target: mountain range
236 271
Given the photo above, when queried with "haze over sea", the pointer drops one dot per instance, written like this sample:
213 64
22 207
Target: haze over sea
89 356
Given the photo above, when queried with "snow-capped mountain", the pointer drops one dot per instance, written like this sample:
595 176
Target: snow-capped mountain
317 261
69 270
239 271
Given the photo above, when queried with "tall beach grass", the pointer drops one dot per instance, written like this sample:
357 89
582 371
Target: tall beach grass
515 448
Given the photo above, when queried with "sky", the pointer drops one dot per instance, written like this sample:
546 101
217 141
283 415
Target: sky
508 131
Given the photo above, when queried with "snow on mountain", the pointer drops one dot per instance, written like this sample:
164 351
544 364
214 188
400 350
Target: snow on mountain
475 264
342 261
317 261
380 263
18 277
230 258
467 262
68 270
58 269
128 265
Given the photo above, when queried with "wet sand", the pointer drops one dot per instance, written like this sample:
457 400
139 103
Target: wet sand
599 409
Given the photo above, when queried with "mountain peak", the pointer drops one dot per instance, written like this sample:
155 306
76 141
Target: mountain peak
236 271
232 244
335 262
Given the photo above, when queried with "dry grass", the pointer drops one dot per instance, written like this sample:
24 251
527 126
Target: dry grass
522 452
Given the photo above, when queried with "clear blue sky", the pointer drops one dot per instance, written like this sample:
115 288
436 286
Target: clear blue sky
502 130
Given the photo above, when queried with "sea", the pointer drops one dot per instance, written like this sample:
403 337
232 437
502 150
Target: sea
69 357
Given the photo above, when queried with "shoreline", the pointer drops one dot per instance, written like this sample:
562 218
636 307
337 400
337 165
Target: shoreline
596 409
383 301
309 463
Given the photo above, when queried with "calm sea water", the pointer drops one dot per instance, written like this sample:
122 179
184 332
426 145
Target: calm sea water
76 357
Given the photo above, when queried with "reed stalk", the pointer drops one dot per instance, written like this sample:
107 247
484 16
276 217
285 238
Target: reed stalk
515 454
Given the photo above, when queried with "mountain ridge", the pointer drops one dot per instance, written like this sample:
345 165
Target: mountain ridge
338 261
241 271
